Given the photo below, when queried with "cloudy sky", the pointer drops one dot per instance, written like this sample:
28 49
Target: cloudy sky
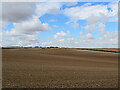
68 24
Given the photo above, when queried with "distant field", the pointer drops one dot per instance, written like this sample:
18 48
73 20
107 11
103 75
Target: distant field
116 50
59 68
94 49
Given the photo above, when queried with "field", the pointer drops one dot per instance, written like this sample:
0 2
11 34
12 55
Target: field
59 68
115 50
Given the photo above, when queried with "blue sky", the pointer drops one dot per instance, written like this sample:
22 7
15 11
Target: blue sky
70 24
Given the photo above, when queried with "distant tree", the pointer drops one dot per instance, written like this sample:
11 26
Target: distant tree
56 47
51 47
36 46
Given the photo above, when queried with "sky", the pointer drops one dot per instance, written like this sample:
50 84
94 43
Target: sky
61 24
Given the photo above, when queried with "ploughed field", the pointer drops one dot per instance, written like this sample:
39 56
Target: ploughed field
59 68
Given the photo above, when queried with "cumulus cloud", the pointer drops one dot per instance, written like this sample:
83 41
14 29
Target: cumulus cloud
113 13
62 34
1 15
17 12
21 40
101 28
28 32
109 39
82 12
97 19
71 42
87 38
90 28
28 27
93 27
21 11
92 13
47 7
24 16
30 40
114 8
61 40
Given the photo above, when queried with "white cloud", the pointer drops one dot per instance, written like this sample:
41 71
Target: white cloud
113 14
21 40
93 14
52 20
71 3
25 16
47 7
8 41
97 19
93 27
101 28
17 12
61 40
28 32
28 27
109 39
61 35
30 40
114 9
90 28
75 24
83 12
87 38
25 19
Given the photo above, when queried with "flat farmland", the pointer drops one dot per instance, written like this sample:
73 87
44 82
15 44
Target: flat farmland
117 50
59 68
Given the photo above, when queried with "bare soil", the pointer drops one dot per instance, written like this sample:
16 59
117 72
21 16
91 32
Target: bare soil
104 49
59 68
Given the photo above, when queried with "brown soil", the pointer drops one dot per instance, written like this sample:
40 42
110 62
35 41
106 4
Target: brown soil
59 68
105 49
